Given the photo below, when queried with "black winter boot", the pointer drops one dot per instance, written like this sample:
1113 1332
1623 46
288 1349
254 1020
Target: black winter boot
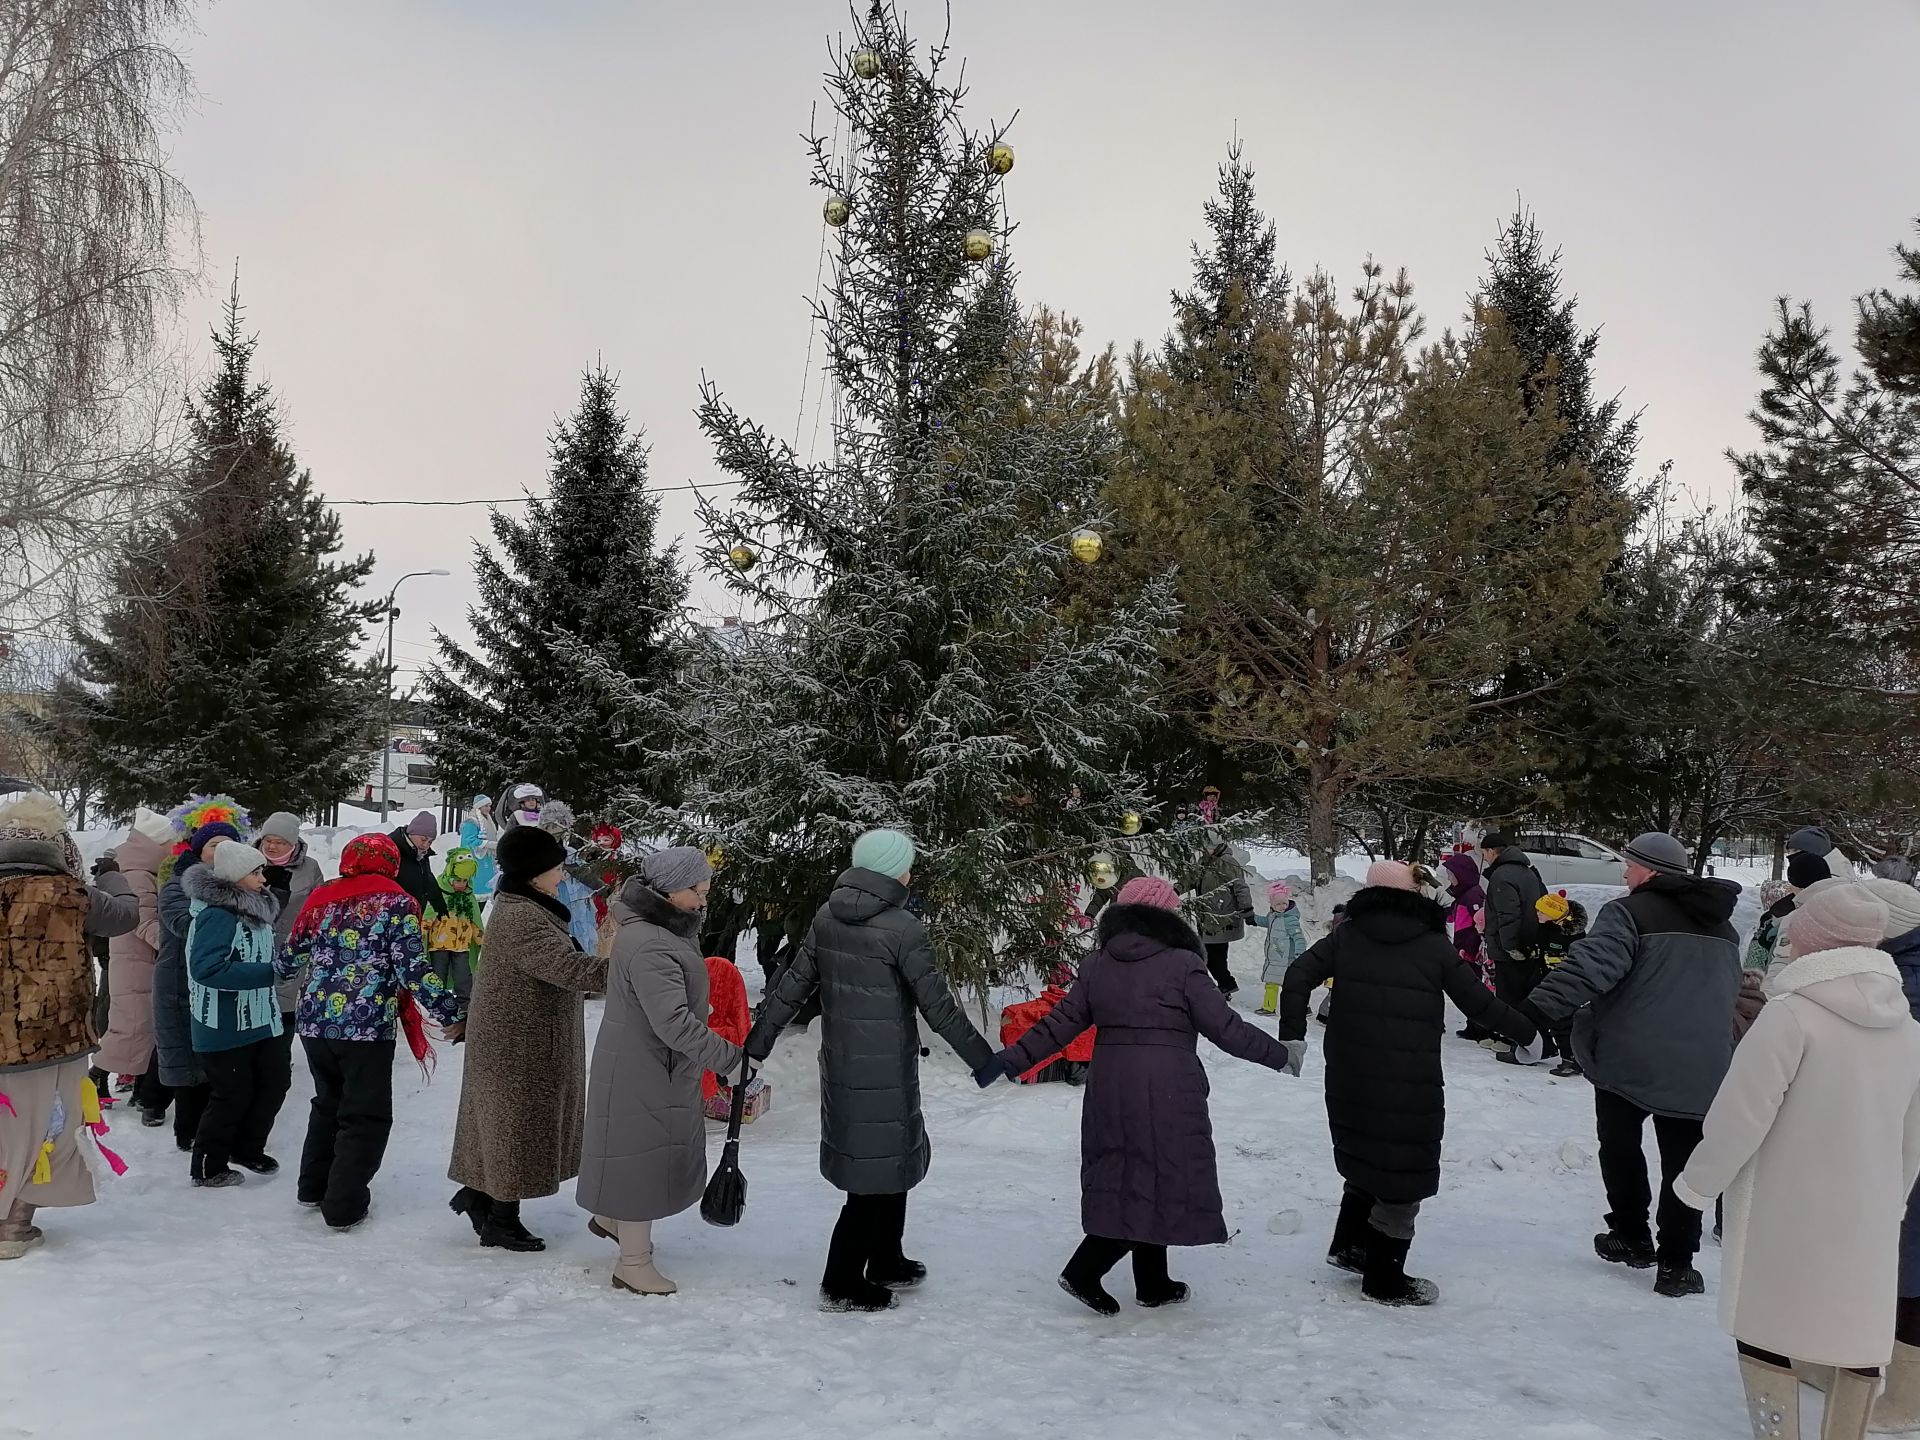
1678 1278
1151 1286
502 1229
1387 1281
1090 1263
471 1203
896 1274
1349 1249
1633 1251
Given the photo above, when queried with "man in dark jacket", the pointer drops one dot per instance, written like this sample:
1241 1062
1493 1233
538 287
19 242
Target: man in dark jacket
414 841
873 966
1513 887
1393 969
1651 989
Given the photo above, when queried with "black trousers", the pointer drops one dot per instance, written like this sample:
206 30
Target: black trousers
1217 966
189 1104
348 1128
249 1084
1621 1125
148 1092
1513 981
869 1230
1098 1254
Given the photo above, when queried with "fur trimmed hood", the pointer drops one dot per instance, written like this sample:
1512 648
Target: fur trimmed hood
1393 917
646 903
1858 984
1133 932
201 883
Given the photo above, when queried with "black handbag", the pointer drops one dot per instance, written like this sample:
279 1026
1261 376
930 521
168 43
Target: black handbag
726 1198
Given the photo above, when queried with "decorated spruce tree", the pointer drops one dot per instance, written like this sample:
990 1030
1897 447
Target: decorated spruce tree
915 664
226 662
573 629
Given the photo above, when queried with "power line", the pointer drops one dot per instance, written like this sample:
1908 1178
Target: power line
523 499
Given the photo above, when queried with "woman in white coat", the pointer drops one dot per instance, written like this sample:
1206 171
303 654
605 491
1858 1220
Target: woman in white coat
1815 1140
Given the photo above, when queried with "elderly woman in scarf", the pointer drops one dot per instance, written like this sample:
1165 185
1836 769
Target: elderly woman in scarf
645 1156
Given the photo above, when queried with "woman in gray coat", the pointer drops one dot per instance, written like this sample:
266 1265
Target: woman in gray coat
873 966
644 1155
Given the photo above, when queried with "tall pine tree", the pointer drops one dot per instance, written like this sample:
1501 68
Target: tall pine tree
918 666
226 662
574 629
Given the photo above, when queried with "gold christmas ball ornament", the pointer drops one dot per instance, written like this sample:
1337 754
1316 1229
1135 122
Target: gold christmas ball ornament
743 558
836 211
1130 823
866 63
1102 873
1000 158
1086 546
716 857
978 245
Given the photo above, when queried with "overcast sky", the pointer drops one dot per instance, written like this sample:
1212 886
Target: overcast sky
444 209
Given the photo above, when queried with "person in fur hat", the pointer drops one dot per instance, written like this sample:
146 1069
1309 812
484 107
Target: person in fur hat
47 915
1814 1139
1147 1173
234 1013
1394 970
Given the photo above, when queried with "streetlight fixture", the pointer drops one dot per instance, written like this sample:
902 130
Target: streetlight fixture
386 748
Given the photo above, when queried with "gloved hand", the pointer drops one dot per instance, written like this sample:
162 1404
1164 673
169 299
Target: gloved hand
1532 1053
994 1069
1296 1055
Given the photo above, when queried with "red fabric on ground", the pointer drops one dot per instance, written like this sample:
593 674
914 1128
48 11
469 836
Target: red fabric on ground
1016 1020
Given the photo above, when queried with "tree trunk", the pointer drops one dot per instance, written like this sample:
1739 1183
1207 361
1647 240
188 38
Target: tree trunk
1779 857
1322 831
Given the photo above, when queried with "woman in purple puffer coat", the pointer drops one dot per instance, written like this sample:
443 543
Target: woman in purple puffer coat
1147 1175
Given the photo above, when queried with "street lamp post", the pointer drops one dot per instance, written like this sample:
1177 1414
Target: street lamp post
386 747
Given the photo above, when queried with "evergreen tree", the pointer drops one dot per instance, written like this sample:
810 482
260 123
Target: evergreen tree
226 661
574 629
1355 528
919 665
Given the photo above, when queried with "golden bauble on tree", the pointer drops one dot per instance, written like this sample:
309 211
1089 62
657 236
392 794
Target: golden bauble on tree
1086 546
1000 158
866 63
743 557
836 211
978 245
716 857
1102 873
1130 823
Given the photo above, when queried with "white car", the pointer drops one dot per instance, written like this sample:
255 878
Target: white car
1564 859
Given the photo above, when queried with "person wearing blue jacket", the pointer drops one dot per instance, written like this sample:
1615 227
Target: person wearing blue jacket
233 1013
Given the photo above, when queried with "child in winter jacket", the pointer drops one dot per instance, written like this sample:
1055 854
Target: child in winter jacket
233 1013
452 937
1814 1138
1285 941
1562 923
1466 896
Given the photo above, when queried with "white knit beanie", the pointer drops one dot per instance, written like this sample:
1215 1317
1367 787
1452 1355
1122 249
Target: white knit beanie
1902 902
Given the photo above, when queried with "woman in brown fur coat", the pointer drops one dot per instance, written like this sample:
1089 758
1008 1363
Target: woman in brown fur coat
524 1089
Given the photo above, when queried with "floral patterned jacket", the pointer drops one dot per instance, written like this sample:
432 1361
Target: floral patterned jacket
359 950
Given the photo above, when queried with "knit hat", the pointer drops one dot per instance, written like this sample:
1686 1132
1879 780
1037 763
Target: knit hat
1552 907
1391 875
424 825
281 825
1806 870
885 852
33 831
556 816
1772 892
483 802
1148 890
1835 914
236 860
1280 895
1659 852
152 825
526 851
1902 902
680 868
212 830
1496 840
370 855
1464 869
1809 840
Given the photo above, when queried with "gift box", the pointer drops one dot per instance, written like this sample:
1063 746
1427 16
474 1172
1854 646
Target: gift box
719 1105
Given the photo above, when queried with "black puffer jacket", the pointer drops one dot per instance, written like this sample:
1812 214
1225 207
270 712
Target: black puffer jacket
1393 969
1513 885
1654 982
872 964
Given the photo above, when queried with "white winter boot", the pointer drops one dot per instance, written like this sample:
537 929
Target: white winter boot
1898 1408
1773 1400
18 1233
1849 1403
634 1271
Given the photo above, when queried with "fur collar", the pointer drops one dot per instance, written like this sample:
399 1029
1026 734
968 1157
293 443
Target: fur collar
643 902
1150 921
1824 965
259 906
521 890
1404 904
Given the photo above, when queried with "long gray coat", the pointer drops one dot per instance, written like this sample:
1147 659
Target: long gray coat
525 1080
305 876
645 1156
874 969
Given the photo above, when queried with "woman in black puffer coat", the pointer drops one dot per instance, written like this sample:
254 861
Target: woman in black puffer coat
1386 1096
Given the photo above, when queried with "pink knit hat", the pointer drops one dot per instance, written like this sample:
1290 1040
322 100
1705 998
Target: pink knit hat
1834 915
1280 893
1149 890
1391 875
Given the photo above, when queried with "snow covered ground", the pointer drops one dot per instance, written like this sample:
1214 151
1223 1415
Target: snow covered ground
166 1312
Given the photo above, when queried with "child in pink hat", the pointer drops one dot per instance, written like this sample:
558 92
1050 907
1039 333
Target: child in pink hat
1286 942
